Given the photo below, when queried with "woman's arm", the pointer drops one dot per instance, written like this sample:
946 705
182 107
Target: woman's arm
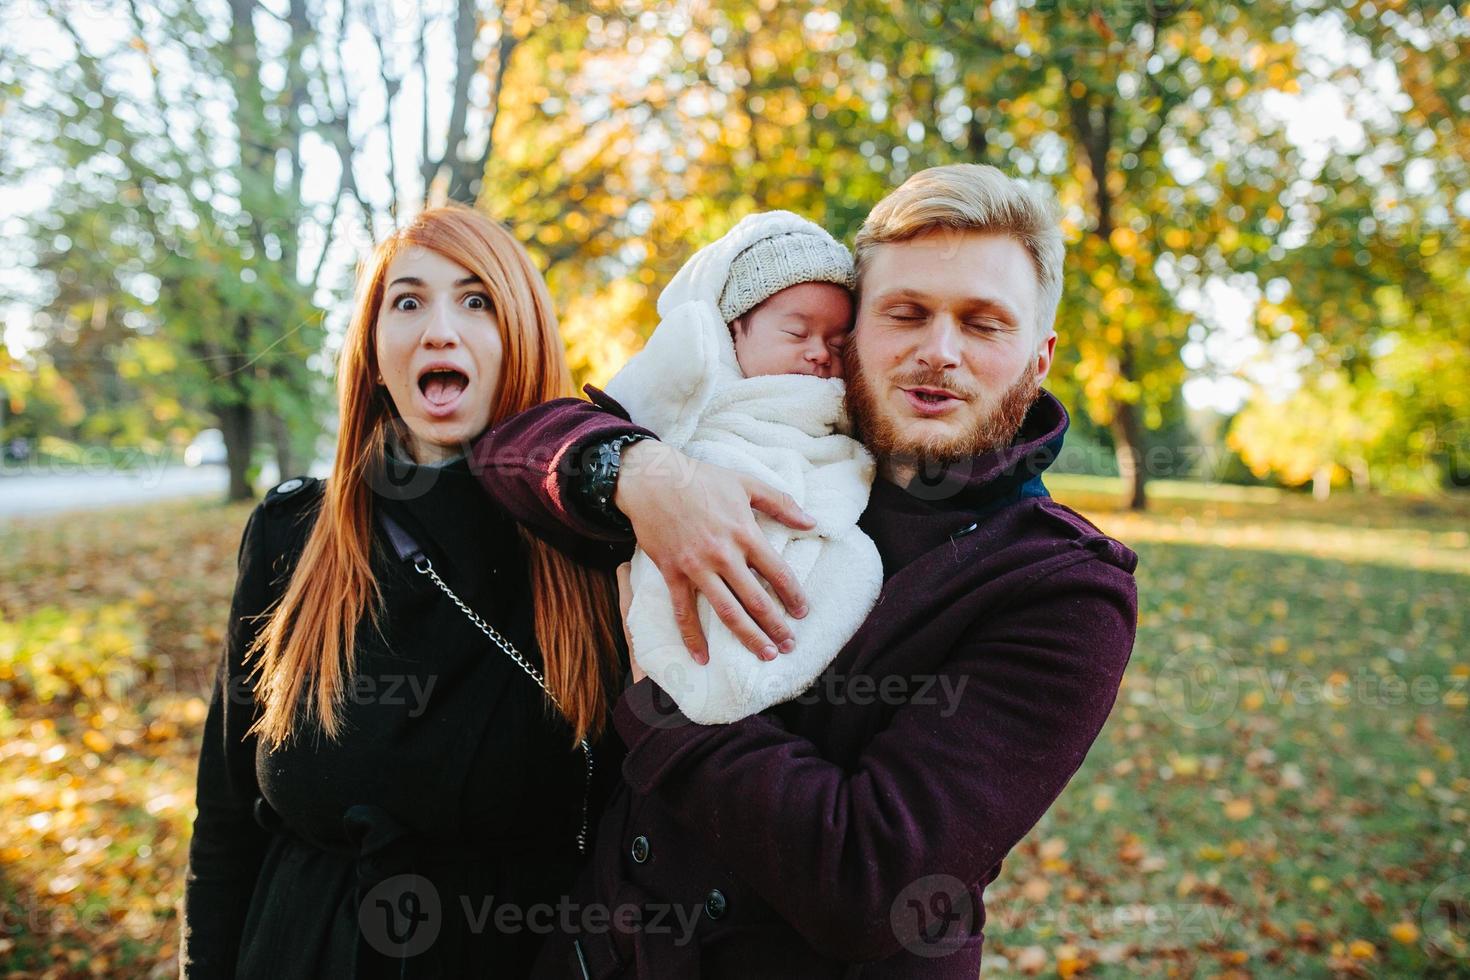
228 846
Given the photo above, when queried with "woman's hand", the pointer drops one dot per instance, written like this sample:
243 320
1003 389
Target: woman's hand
696 522
625 599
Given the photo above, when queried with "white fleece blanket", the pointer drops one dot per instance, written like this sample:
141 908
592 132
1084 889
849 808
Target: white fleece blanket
787 430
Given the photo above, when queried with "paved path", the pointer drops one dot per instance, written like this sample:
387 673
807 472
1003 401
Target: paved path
89 488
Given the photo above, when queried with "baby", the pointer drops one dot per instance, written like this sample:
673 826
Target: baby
800 329
744 370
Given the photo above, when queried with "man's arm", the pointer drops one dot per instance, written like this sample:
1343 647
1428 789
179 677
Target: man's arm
948 788
693 519
531 465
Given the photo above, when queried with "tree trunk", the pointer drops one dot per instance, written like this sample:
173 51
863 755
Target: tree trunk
1093 123
237 425
1128 446
1322 483
1362 476
281 441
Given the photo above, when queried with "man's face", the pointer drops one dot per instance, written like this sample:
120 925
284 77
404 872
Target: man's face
945 358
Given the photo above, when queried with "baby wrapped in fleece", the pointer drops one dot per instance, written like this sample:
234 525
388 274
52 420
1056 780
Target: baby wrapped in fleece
789 430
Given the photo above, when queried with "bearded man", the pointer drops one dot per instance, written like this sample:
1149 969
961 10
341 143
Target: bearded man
859 823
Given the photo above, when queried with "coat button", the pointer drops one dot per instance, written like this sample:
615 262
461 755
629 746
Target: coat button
640 849
714 903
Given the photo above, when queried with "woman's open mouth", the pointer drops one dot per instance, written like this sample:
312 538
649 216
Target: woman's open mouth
442 388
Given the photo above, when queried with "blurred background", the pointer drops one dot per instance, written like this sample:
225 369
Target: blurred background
1264 342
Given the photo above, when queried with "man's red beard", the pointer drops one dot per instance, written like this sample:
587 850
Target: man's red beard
882 435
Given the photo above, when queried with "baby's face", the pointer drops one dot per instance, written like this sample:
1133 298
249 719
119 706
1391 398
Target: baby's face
800 330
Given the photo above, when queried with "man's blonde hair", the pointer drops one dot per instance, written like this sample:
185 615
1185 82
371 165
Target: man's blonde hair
980 198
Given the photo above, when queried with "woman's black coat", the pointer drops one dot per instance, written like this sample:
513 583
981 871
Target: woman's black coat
435 837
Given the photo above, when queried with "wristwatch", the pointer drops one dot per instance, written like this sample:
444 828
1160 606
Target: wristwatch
600 478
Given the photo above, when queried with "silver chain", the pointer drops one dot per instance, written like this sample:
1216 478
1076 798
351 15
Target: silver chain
423 566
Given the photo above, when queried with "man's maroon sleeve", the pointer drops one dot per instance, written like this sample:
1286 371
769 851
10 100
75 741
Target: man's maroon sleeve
947 788
528 462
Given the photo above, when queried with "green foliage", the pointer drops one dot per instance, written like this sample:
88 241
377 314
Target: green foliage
615 139
178 291
1150 121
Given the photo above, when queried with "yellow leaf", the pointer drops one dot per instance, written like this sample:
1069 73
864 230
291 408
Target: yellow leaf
1031 959
1404 932
96 741
1238 809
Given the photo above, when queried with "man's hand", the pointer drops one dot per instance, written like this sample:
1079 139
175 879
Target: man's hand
695 521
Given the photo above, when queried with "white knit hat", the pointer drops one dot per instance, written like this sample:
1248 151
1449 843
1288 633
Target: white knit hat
772 264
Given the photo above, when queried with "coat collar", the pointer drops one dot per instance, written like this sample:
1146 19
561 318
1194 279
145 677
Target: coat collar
946 501
445 510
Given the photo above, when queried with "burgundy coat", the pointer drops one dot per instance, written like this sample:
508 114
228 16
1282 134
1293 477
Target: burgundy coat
850 832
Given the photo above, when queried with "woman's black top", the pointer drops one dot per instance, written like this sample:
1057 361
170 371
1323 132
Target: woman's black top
436 836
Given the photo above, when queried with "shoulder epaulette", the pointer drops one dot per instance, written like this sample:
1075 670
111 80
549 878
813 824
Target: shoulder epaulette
303 487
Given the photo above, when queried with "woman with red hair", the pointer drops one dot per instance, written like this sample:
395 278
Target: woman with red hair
390 784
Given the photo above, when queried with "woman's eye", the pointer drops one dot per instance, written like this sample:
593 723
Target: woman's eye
477 301
406 303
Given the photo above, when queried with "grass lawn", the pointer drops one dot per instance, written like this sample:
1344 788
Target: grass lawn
1281 788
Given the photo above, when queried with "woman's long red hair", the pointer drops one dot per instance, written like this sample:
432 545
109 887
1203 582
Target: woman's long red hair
307 642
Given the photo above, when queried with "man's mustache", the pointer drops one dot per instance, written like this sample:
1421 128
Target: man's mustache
935 379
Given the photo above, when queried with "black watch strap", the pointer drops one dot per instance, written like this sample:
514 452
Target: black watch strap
600 479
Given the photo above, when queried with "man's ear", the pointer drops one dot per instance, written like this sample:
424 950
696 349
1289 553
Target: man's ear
1045 351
